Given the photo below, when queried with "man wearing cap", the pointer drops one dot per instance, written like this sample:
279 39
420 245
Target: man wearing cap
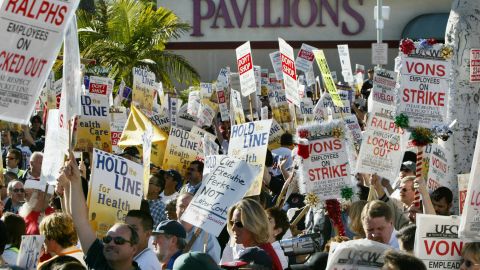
169 242
120 243
131 153
197 239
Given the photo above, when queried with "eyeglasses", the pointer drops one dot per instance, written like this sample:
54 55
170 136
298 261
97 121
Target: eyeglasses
117 240
468 263
16 190
237 224
404 190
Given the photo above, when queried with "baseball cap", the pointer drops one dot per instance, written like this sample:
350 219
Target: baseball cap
170 227
195 260
408 166
176 175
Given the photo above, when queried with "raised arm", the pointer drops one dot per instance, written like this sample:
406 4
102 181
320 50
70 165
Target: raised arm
78 206
428 208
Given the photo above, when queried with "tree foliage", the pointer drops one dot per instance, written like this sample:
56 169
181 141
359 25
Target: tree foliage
122 34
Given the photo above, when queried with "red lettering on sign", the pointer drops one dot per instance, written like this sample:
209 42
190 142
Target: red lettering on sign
48 11
327 172
97 88
423 97
307 55
419 68
288 67
244 63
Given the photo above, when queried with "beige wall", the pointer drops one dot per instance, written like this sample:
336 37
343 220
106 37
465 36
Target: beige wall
208 62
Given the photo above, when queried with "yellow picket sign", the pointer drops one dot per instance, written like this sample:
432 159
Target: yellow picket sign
327 77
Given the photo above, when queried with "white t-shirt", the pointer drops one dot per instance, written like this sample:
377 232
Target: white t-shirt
280 254
147 260
166 199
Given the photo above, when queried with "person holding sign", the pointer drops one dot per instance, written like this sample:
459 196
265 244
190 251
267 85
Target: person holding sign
60 238
248 225
120 243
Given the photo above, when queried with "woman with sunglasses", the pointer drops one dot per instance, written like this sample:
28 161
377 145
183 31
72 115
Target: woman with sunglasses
248 225
471 256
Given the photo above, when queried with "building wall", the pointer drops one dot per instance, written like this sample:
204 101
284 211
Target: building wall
219 26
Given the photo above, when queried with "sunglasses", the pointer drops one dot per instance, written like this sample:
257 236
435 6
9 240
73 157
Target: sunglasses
16 190
237 224
117 240
468 263
404 190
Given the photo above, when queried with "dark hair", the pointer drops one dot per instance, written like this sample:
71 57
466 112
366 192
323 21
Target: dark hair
36 118
409 156
3 237
133 234
16 227
199 165
286 139
406 235
16 153
146 218
281 221
403 261
442 192
159 179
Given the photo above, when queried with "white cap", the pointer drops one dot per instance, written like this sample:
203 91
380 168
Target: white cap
38 185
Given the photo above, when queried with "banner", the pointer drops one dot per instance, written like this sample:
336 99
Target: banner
351 122
305 58
362 254
100 85
206 113
327 77
436 241
132 135
222 104
470 221
289 72
462 190
29 253
184 119
118 120
173 104
276 59
278 103
146 154
249 142
116 187
382 143
222 79
423 88
276 133
226 184
53 158
193 102
182 148
206 90
160 119
384 82
439 172
27 59
93 130
326 107
327 170
236 107
474 65
344 55
144 88
245 69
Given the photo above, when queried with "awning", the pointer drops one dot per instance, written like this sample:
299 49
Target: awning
427 26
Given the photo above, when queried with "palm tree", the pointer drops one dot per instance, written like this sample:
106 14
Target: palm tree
122 34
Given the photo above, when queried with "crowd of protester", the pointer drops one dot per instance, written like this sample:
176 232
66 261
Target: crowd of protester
155 237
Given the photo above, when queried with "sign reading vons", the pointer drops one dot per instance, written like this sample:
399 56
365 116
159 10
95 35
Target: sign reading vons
231 14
